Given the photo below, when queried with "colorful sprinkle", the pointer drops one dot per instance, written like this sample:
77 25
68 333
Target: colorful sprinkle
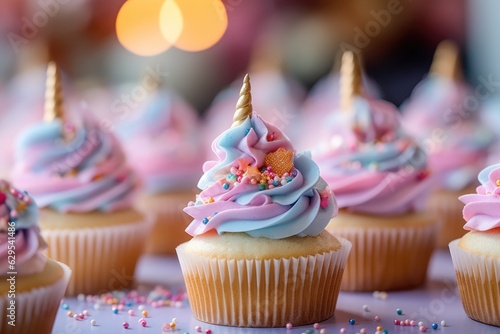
125 325
363 331
399 311
434 326
343 330
208 331
204 221
289 326
377 318
316 326
413 323
322 331
70 313
198 329
131 313
144 323
352 321
396 322
422 329
115 311
65 306
379 328
225 186
85 313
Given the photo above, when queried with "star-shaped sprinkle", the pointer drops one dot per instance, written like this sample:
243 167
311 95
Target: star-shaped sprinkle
281 161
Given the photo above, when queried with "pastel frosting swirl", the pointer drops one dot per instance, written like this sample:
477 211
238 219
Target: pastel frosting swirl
19 233
86 173
442 117
482 210
260 187
370 164
162 143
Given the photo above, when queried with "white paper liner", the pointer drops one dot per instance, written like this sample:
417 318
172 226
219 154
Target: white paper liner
35 309
102 259
264 293
385 259
478 279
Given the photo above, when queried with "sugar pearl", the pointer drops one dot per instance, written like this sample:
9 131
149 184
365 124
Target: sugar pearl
85 313
366 308
420 323
125 325
422 329
289 326
131 313
443 323
93 322
316 326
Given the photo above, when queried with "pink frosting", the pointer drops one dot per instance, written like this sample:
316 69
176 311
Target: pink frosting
21 244
86 173
370 164
482 210
437 114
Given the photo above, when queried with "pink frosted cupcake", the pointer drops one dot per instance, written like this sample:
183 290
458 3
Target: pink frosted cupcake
439 116
162 144
32 285
476 256
78 175
260 256
379 177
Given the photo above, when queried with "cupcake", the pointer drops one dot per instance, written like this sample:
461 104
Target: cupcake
76 172
380 179
32 285
476 256
440 116
161 141
259 250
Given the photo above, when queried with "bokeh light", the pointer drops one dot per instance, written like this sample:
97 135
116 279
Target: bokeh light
204 23
138 26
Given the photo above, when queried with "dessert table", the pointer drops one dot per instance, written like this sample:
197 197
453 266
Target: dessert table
438 300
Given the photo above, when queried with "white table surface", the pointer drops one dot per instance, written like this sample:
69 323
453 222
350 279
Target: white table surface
436 301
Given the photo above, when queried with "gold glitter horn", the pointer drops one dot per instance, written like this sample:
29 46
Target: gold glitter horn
350 79
244 107
446 61
53 94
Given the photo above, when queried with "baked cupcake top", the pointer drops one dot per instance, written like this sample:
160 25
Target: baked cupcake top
79 168
259 185
442 113
371 165
21 244
162 143
482 210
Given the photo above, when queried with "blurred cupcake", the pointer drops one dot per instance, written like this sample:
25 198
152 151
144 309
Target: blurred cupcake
276 96
77 173
379 177
32 285
162 144
259 241
476 256
440 116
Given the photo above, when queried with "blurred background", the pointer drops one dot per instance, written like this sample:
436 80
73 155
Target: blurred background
396 37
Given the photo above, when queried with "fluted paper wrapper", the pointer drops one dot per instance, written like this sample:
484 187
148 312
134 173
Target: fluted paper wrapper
102 259
384 259
264 293
478 279
36 309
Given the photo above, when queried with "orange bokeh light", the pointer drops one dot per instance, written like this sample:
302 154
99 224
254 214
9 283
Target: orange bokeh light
138 26
203 23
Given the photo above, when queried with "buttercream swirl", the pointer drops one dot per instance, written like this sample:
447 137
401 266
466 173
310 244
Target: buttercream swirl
86 173
21 244
162 143
440 115
482 210
295 202
370 164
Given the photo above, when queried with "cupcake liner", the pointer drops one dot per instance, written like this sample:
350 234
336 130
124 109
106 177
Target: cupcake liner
264 293
36 309
478 279
387 258
102 259
447 210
